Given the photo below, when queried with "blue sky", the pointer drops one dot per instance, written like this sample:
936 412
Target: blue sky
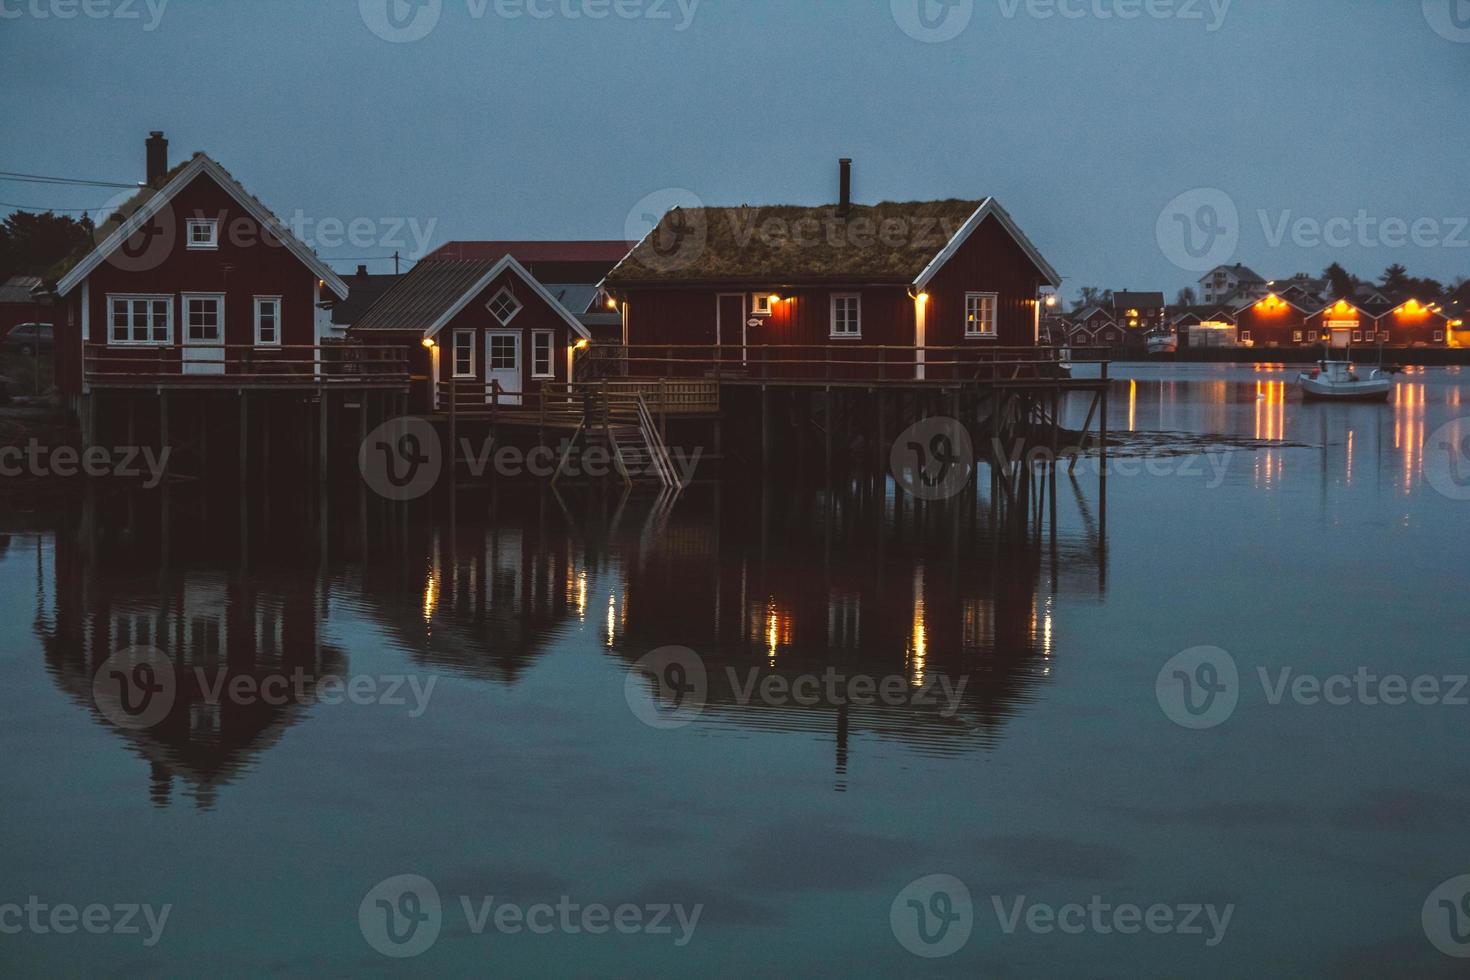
1085 124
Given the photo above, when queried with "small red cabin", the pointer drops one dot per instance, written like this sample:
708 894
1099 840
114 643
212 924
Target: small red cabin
487 326
889 291
190 276
1274 321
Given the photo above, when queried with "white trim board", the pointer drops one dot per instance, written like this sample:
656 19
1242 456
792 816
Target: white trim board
201 164
483 283
989 208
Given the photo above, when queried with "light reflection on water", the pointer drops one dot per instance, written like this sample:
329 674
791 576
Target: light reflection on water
1056 774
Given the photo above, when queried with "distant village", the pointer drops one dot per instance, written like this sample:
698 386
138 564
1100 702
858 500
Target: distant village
1234 306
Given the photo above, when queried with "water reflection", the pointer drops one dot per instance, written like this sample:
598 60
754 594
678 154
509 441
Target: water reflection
856 579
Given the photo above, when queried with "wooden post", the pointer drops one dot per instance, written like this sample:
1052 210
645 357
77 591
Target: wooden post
244 438
453 429
321 438
765 426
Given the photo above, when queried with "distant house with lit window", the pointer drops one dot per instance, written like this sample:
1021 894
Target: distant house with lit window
916 284
1232 283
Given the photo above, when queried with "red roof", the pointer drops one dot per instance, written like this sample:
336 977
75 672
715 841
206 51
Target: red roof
528 252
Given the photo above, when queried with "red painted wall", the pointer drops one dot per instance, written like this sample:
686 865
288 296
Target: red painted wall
248 263
535 314
1274 328
989 261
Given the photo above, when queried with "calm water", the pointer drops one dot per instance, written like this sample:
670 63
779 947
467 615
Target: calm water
1023 748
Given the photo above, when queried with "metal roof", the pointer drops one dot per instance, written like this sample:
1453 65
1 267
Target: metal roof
529 252
419 299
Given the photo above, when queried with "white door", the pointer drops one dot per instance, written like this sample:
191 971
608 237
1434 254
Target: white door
204 334
503 365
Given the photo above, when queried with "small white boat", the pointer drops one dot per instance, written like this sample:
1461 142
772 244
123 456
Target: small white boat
1163 342
1341 381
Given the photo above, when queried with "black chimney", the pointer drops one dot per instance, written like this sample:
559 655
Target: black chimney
362 271
844 204
157 158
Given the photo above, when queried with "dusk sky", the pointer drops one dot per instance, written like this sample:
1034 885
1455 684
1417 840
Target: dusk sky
1088 127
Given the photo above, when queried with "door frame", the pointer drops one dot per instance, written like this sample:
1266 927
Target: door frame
509 397
212 361
720 326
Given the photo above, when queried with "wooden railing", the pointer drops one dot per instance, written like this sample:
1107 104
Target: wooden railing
557 402
241 364
835 362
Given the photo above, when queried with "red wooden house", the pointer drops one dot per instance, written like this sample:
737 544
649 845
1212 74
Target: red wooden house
1274 321
1414 324
488 325
192 276
890 291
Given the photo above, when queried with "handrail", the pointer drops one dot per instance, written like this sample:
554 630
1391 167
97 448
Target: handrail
237 363
656 448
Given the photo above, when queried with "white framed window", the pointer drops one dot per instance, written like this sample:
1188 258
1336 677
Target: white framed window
204 318
504 306
504 352
847 315
1357 336
1296 336
267 321
760 304
137 319
980 314
542 342
1245 336
202 233
1385 336
1439 336
464 353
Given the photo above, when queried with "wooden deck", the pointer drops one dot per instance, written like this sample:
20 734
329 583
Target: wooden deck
208 367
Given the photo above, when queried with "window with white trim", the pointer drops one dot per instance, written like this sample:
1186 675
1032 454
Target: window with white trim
847 315
980 314
1357 336
202 233
140 319
267 321
760 304
504 306
1384 336
542 342
204 318
1296 336
1438 336
1245 336
503 351
464 353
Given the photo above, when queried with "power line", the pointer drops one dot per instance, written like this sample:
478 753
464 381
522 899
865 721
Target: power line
11 175
38 209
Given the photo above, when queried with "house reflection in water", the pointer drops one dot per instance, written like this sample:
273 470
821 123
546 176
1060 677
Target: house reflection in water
858 581
854 581
216 627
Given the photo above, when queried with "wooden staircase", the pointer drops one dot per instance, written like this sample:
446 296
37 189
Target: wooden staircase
631 437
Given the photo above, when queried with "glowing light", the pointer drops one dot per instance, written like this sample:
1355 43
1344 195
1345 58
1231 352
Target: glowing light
431 595
429 343
582 595
774 299
612 304
1132 406
923 297
580 345
1051 299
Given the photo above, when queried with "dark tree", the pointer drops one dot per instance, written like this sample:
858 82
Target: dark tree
1187 297
1395 279
32 243
1342 282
